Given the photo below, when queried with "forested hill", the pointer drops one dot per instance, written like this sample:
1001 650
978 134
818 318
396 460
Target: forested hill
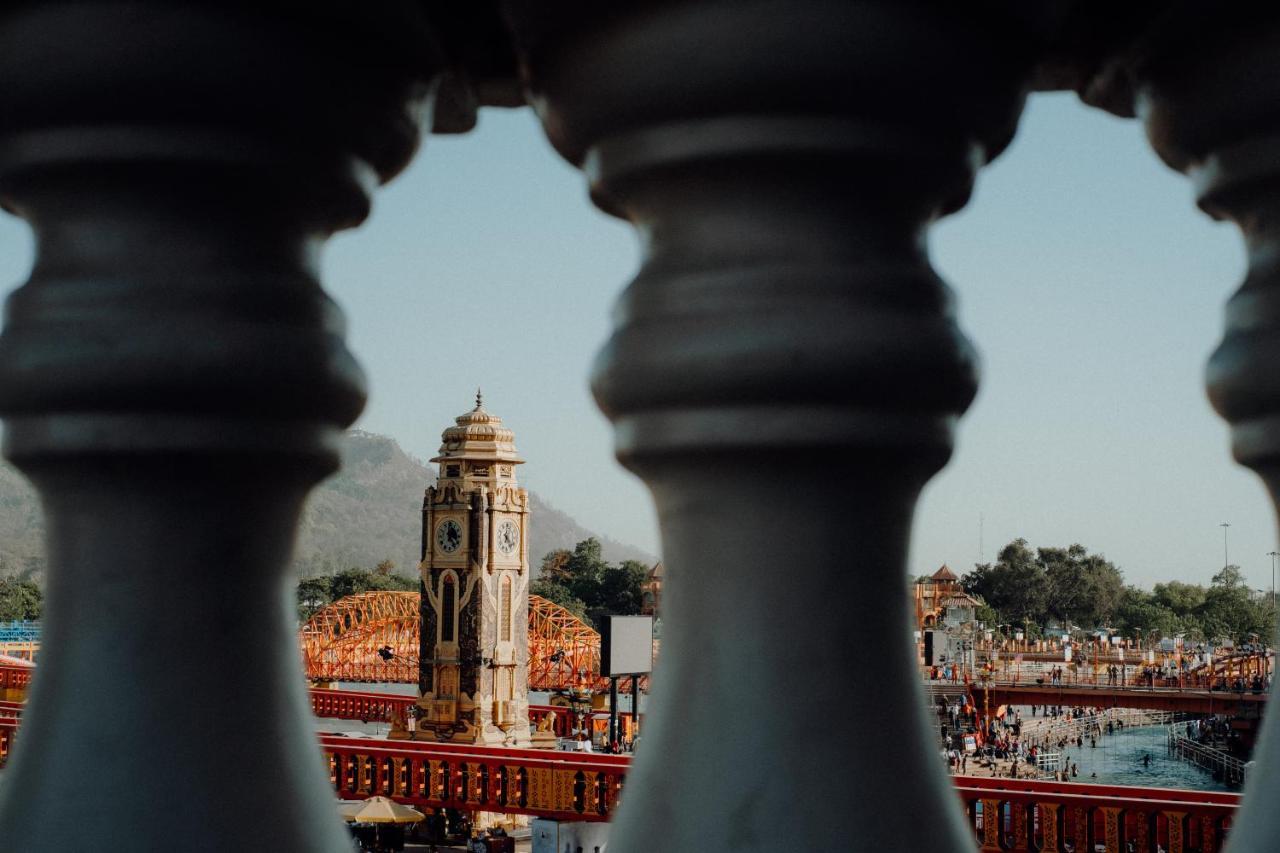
367 513
21 526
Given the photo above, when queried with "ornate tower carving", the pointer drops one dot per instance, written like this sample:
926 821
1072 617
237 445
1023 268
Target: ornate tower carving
474 663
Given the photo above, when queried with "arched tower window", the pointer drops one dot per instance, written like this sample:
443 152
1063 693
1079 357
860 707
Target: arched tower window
448 602
505 612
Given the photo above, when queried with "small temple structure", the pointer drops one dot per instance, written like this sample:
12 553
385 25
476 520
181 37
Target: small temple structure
651 591
940 599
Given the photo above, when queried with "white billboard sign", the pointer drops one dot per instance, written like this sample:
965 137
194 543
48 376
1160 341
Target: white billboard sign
626 645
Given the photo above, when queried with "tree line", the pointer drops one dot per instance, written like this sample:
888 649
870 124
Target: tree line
581 581
1030 589
19 600
590 587
316 593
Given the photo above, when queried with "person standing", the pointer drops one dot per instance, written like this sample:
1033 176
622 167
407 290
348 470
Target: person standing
435 830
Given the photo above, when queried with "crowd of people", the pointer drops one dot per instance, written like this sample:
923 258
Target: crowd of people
1018 748
1217 732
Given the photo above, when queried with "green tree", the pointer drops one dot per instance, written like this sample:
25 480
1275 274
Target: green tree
586 569
1229 578
1014 585
986 614
1081 587
313 594
1182 599
356 580
558 593
1066 585
622 587
1229 609
555 565
1106 588
20 600
583 582
1140 613
316 592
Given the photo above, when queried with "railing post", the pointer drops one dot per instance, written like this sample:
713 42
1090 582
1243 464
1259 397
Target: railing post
174 381
1207 85
785 375
1051 823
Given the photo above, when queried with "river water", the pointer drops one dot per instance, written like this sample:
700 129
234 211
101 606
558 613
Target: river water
1118 761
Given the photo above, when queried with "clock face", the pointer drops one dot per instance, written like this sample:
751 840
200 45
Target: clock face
449 536
508 537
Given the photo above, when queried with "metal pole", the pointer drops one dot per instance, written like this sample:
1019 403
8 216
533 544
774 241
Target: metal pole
635 708
1226 561
1273 555
613 711
986 712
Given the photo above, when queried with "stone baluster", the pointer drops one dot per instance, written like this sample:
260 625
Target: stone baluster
785 375
1207 85
174 381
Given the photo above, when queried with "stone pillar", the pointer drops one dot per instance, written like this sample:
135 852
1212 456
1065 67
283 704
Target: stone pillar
174 381
1207 85
785 374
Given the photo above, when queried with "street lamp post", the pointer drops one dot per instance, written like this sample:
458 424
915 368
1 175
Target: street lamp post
1273 555
1226 560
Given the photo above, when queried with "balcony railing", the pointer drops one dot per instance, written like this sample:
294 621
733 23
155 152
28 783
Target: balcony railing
1046 816
174 379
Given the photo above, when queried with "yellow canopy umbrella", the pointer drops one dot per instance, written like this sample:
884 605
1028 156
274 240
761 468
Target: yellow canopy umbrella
379 810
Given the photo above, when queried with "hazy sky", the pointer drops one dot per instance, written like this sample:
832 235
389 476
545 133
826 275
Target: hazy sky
1087 279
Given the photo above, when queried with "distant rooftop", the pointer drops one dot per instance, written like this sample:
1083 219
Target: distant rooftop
944 574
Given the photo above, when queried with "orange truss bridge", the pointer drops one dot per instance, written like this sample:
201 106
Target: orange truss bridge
373 637
564 652
370 636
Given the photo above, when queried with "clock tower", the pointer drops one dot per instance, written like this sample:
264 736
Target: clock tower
474 661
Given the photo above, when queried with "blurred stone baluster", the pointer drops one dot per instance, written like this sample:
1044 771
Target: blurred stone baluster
785 375
1206 82
174 381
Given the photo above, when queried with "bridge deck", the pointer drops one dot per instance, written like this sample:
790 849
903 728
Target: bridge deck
1190 700
1004 814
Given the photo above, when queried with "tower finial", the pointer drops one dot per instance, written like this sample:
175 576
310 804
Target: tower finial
478 398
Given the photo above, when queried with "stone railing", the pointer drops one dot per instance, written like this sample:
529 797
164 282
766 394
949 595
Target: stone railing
174 379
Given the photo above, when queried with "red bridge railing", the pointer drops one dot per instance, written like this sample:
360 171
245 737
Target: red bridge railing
14 678
384 707
1005 814
8 727
544 783
1191 700
1024 815
356 705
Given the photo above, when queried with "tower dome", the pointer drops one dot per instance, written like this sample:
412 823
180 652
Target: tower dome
478 435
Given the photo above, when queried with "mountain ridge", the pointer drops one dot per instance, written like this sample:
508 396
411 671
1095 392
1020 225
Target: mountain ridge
368 512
